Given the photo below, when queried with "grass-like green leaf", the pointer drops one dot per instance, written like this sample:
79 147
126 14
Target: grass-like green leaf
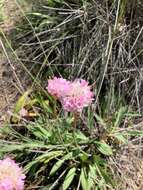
69 178
90 118
120 137
49 156
19 105
59 163
120 115
134 133
100 121
45 158
39 131
104 148
92 175
83 179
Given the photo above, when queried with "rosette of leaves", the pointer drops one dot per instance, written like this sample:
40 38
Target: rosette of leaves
56 155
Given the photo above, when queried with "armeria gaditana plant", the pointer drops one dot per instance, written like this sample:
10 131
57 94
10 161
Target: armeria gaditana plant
11 175
74 96
78 96
58 87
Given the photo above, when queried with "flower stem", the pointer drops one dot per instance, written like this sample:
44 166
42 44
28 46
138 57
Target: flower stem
55 108
75 119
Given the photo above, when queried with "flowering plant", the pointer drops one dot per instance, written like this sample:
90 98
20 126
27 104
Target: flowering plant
74 96
63 157
11 175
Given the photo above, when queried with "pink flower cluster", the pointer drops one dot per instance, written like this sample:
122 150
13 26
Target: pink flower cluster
11 175
58 87
74 96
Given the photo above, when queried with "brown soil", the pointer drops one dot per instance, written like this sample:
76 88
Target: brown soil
11 14
11 79
130 166
7 90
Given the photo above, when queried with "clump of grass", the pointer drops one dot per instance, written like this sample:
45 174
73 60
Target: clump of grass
87 39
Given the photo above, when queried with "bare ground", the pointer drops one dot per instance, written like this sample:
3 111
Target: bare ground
130 166
11 73
7 90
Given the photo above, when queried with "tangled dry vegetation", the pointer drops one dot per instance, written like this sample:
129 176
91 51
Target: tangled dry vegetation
100 41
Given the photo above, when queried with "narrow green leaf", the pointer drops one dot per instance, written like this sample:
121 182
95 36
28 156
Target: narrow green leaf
21 102
90 118
99 161
120 116
83 179
120 137
46 157
59 163
134 133
130 114
29 165
106 176
11 148
91 177
104 148
39 131
49 156
80 137
69 178
100 120
19 105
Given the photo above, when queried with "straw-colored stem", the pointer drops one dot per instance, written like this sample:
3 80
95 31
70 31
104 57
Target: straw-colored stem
75 119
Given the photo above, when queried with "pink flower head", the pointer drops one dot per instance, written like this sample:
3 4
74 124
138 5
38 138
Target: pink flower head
58 87
78 97
11 175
